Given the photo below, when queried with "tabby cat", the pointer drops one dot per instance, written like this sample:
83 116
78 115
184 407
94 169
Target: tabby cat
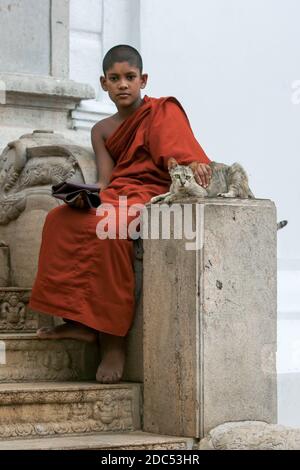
226 181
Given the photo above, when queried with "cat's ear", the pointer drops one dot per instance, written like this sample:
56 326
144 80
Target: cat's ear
172 163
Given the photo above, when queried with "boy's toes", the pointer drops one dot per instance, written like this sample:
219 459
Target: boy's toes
102 378
109 378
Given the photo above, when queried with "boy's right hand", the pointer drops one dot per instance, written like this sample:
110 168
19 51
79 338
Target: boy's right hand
202 173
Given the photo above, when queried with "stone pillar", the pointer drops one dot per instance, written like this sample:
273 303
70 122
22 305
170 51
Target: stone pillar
34 69
210 316
35 37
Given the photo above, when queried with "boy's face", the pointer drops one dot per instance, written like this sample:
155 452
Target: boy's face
123 82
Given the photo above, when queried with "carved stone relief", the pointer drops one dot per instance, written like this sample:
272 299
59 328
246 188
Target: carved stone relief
14 315
67 411
25 164
29 167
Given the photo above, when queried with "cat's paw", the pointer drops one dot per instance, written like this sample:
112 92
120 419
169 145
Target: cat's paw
168 199
155 199
159 198
225 195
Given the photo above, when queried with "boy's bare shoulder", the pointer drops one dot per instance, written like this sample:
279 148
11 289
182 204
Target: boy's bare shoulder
105 127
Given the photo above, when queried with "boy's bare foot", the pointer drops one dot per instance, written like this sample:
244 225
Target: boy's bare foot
111 368
70 330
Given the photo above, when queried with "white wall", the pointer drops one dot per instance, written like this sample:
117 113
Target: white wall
232 64
95 27
86 41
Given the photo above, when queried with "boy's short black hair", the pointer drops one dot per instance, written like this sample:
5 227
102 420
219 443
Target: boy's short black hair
122 53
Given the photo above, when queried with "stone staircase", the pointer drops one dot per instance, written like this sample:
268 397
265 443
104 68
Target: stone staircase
49 398
134 440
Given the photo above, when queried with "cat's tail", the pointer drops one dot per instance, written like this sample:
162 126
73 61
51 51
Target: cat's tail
281 224
238 180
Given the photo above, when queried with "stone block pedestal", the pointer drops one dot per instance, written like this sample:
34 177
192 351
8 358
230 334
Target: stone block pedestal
210 317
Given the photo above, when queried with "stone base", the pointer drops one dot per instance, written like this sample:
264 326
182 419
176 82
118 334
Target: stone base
24 357
67 408
210 317
34 99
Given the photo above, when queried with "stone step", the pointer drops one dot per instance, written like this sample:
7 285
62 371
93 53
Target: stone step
136 440
68 408
15 315
25 357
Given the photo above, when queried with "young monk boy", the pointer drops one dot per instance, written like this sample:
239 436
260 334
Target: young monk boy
90 281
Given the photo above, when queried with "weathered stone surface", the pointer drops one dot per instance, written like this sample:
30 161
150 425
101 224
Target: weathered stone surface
251 435
29 358
134 345
136 440
4 264
35 37
210 320
35 101
44 157
46 86
46 409
28 168
24 26
40 102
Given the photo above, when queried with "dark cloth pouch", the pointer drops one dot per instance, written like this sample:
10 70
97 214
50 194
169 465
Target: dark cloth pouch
69 191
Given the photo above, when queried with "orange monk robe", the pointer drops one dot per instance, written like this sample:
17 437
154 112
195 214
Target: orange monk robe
90 280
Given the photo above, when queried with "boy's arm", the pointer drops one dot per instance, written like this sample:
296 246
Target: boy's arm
170 135
104 162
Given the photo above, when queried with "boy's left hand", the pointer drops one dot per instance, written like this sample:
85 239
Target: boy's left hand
202 173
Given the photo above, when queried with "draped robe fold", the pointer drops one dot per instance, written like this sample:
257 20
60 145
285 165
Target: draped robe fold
90 280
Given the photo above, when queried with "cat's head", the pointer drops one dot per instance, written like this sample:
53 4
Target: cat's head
181 175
